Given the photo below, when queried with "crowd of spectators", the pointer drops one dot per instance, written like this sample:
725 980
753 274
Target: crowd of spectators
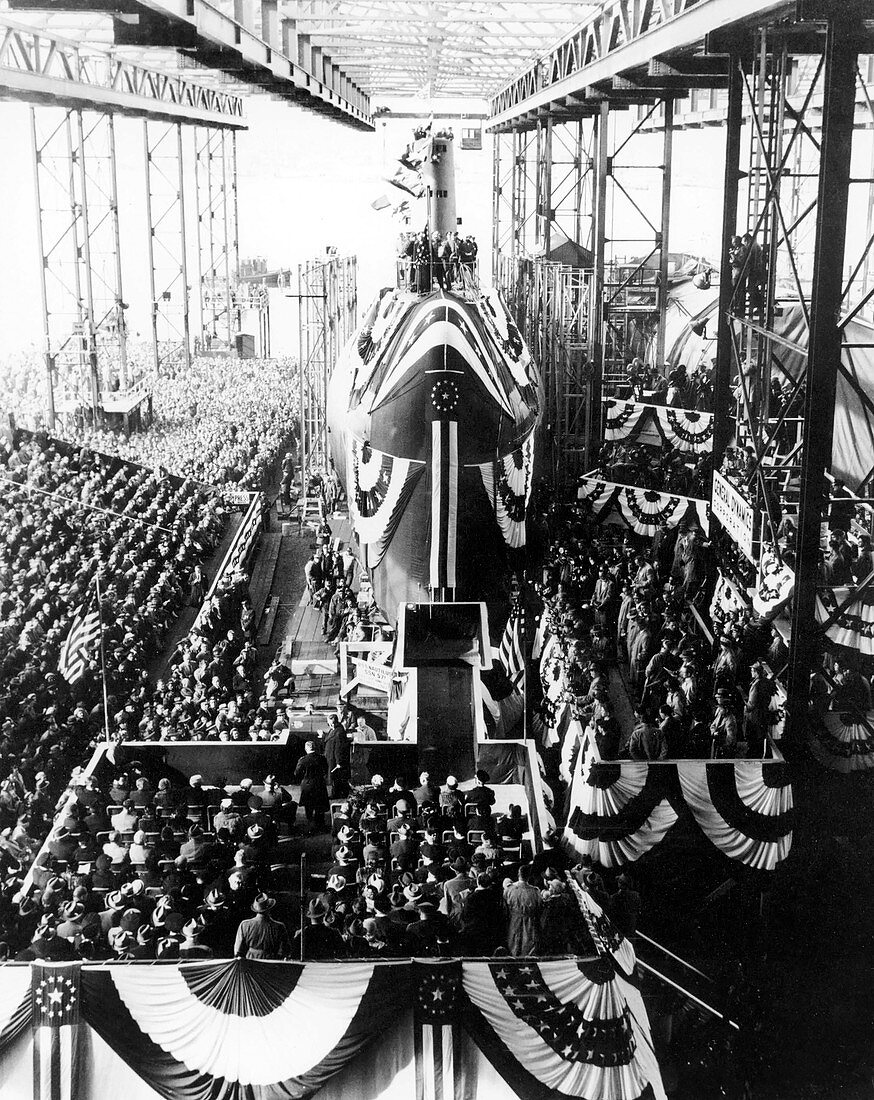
138 869
68 515
211 689
220 421
643 609
673 386
436 871
666 470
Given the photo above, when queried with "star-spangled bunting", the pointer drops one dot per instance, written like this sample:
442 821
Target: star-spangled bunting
56 1003
436 1029
562 1025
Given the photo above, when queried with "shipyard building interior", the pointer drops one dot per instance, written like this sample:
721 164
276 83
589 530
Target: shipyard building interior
436 517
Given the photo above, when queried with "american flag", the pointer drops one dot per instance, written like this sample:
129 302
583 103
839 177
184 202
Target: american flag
510 651
608 940
81 642
55 991
436 1030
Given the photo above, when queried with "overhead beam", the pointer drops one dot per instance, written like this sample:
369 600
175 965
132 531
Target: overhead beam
230 45
38 67
619 39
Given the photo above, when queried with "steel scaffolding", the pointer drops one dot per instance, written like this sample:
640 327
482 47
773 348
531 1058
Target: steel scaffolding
167 242
217 242
84 341
786 307
327 294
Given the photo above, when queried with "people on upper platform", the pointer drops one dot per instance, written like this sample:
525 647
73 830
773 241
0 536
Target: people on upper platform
445 260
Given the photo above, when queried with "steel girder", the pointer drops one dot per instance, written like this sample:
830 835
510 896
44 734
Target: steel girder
38 66
623 36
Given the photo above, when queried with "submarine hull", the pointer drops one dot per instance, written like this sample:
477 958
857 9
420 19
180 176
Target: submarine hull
432 409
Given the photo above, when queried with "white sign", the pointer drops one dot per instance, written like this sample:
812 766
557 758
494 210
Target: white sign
374 675
736 514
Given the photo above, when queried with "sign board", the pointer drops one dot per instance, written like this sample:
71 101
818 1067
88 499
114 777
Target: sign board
736 514
373 675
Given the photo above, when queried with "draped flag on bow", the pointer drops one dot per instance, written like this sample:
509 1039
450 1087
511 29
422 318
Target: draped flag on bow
55 991
379 487
445 395
436 1035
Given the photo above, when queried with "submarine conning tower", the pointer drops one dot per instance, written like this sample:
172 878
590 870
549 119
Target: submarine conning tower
438 176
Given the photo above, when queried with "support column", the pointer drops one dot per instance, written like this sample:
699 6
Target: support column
44 297
229 310
153 290
496 208
824 350
596 328
722 404
183 254
543 195
120 320
668 156
90 329
168 260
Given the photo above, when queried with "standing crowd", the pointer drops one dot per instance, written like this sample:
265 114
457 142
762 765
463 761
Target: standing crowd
445 259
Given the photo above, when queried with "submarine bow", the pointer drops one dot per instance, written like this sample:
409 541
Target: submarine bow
432 409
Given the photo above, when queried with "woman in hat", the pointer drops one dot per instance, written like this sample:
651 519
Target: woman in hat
723 728
757 710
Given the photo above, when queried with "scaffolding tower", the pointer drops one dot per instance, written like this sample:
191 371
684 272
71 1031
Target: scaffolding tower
327 295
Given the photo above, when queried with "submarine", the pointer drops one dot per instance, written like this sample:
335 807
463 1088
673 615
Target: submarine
432 409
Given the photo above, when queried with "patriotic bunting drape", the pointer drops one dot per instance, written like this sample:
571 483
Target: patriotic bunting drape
685 429
775 584
507 482
641 509
623 419
844 742
257 1030
569 1032
745 807
379 488
619 810
599 495
854 627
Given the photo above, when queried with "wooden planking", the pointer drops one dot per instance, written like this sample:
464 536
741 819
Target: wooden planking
265 569
268 621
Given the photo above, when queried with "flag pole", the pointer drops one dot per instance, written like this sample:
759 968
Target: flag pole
523 646
102 656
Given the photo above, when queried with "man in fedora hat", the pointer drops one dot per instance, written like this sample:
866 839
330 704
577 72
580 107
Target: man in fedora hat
318 940
261 937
